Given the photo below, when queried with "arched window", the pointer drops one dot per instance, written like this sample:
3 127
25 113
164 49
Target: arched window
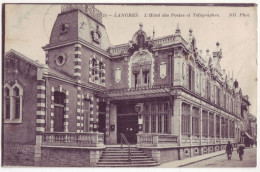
7 103
16 99
141 69
101 73
13 103
97 72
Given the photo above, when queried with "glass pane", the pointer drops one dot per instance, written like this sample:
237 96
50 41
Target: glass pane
7 108
17 108
59 98
7 92
16 91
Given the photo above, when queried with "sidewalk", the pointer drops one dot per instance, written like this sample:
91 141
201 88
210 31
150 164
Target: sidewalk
183 162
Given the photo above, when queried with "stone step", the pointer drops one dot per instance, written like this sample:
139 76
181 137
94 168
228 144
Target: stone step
122 150
128 165
126 162
126 154
123 153
118 157
124 159
119 149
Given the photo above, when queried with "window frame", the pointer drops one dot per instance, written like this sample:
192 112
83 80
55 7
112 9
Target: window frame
185 124
12 102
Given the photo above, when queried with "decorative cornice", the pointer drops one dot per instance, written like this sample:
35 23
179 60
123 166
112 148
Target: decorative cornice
77 41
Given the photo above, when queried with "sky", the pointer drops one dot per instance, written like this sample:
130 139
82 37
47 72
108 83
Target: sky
28 28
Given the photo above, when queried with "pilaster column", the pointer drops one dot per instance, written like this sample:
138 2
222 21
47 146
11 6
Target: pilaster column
40 119
215 126
191 125
200 127
107 120
208 128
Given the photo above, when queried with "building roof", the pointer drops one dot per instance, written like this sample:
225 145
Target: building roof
27 59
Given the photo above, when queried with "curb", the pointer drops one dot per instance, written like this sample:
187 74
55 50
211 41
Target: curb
200 160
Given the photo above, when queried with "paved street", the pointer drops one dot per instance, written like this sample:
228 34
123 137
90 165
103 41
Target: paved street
221 161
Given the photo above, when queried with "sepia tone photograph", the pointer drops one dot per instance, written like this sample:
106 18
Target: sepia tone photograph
129 85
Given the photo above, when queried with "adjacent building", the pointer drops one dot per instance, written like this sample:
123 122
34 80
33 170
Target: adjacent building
167 98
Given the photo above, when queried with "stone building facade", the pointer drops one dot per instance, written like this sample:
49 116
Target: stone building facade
165 96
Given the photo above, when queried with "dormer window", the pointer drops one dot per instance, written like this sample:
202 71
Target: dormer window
64 28
141 70
140 40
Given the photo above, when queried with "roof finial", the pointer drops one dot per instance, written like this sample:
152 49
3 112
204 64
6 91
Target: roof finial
190 30
177 29
153 32
141 25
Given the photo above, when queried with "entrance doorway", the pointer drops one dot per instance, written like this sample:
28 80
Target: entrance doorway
127 124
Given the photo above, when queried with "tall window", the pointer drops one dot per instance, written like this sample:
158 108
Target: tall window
225 101
166 118
211 125
205 123
153 114
16 98
94 70
7 103
159 116
146 123
218 96
232 129
231 106
217 126
208 89
222 127
140 69
159 123
141 75
226 128
101 73
59 102
185 125
191 79
97 72
195 121
13 103
146 118
146 77
86 111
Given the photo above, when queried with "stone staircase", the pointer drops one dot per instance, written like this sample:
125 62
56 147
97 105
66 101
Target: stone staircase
118 157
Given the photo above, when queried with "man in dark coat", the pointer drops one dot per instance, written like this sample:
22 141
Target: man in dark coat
229 150
240 150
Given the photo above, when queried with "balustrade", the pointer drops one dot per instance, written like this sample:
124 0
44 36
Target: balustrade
154 140
73 139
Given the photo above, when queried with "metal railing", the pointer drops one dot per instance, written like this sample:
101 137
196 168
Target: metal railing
123 138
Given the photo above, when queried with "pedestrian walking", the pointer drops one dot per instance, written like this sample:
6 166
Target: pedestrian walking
240 150
229 150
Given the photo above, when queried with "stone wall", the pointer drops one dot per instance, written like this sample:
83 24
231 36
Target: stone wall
18 155
169 155
57 157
